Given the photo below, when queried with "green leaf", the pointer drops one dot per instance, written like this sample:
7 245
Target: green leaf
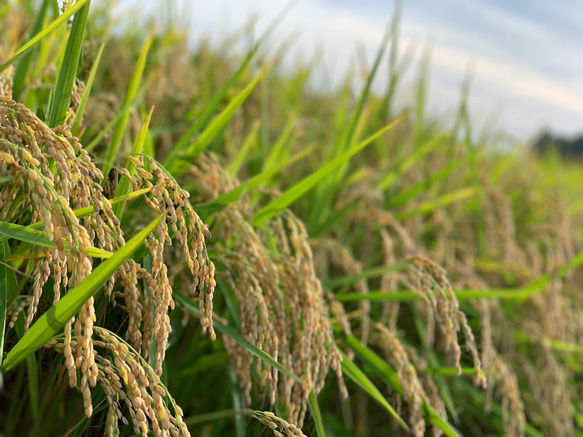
124 186
419 188
115 143
87 92
210 108
237 337
39 36
418 153
350 370
515 294
389 376
53 320
243 151
123 112
444 200
22 69
7 283
292 194
26 234
84 212
183 158
38 238
316 415
208 208
278 152
59 103
325 193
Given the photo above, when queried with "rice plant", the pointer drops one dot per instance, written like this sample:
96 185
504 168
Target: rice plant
193 243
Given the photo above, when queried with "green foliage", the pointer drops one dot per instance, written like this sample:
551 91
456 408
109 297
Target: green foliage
405 256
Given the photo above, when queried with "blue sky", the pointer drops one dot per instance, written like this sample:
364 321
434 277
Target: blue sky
526 56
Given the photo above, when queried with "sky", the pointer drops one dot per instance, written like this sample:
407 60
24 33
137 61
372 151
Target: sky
524 57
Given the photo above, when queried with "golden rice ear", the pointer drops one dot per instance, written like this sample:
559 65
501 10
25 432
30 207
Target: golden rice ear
6 80
51 166
408 364
282 306
128 381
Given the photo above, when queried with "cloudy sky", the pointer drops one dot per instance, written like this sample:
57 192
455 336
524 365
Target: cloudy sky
525 56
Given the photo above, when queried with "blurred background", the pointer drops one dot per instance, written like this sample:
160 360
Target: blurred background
522 59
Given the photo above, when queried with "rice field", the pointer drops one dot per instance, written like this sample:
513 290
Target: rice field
195 243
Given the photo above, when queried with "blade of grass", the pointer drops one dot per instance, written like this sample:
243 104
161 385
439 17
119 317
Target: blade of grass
23 66
124 186
115 144
26 234
212 106
32 374
292 194
325 193
7 283
517 294
350 370
389 376
275 154
413 191
433 362
53 320
206 209
374 272
316 415
59 102
187 155
216 415
420 151
243 151
238 403
124 110
37 238
84 212
63 18
444 200
87 92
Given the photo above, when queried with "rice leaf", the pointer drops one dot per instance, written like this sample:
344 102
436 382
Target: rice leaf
373 272
403 197
7 283
123 111
239 159
295 192
53 320
316 415
514 294
124 186
87 92
182 144
208 208
350 370
84 212
182 158
278 153
38 238
444 200
407 163
23 66
26 234
389 376
115 143
59 103
43 33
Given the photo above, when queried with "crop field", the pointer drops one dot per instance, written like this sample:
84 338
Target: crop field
196 243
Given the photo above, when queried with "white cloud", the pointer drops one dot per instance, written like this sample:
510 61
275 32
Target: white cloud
512 53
